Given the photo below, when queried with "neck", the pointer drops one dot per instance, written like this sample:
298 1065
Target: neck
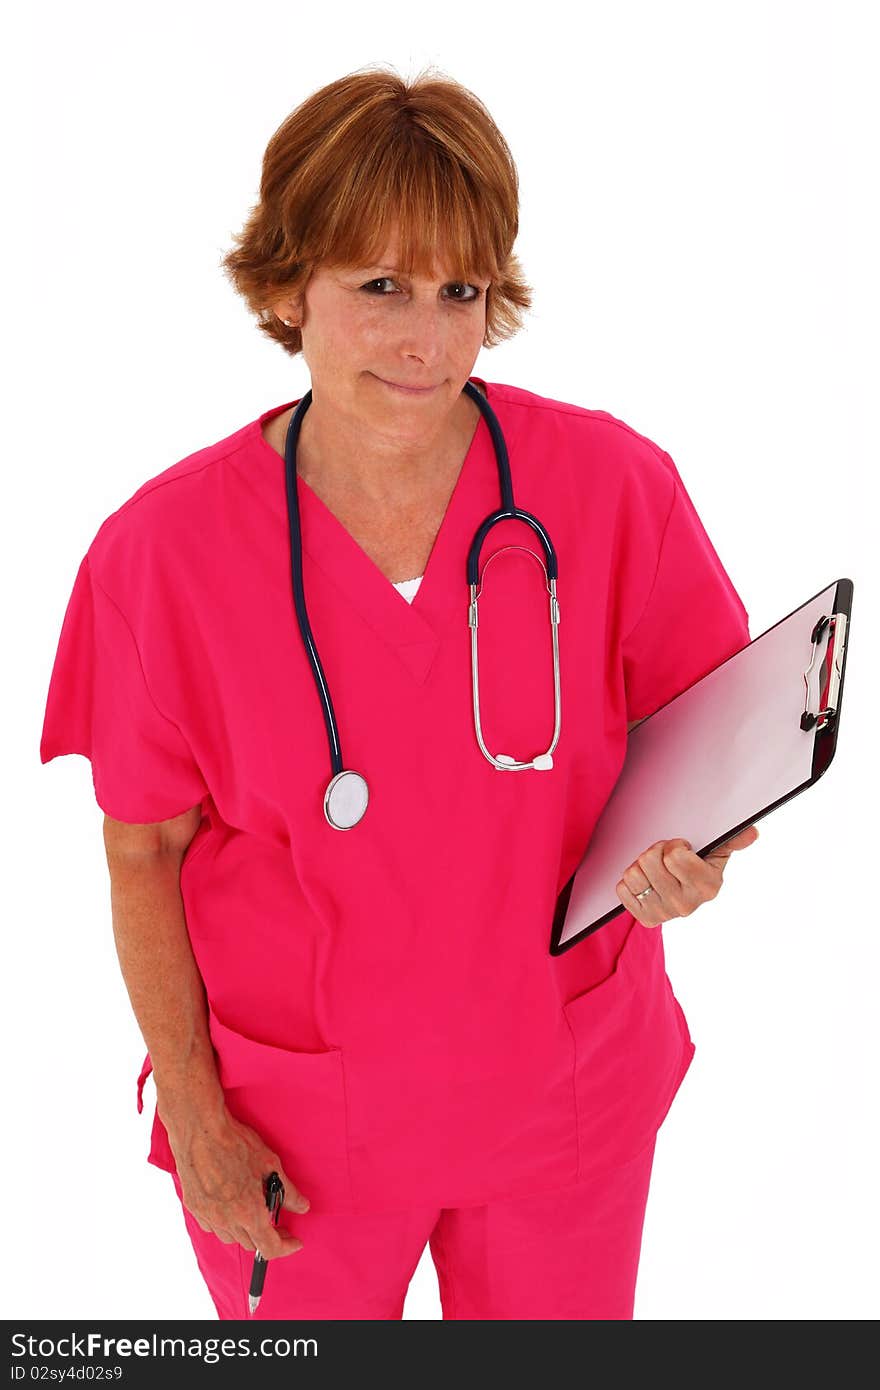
332 454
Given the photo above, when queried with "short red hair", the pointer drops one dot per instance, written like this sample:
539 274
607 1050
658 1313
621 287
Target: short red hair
368 150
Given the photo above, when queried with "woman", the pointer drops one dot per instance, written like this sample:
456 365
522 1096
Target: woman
375 1015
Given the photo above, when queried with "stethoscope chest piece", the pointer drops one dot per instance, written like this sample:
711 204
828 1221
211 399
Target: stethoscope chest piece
345 799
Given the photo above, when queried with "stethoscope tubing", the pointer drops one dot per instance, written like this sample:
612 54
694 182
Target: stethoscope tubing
507 512
299 596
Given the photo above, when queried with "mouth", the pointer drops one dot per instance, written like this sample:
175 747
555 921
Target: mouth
407 390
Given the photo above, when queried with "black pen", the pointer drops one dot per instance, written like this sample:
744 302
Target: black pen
274 1193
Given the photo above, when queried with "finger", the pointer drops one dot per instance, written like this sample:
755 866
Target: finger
205 1225
294 1199
699 879
747 836
636 880
649 916
244 1239
652 865
719 856
273 1243
271 1247
650 870
288 1248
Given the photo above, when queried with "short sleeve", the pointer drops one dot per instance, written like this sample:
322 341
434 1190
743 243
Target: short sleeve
99 705
693 619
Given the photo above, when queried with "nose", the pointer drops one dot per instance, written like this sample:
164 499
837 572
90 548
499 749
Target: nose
422 329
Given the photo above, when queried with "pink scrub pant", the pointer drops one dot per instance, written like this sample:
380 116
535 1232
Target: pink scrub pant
568 1254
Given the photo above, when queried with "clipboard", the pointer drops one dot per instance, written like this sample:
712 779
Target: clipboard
738 743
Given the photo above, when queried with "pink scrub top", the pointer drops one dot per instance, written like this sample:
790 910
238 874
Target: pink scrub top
382 1002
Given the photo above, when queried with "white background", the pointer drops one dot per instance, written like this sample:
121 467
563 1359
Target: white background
698 220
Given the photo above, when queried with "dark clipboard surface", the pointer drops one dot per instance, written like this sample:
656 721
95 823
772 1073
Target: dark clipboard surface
834 604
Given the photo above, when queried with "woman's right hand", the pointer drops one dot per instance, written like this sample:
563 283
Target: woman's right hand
221 1165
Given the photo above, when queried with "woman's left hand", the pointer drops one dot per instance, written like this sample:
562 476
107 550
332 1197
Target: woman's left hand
681 880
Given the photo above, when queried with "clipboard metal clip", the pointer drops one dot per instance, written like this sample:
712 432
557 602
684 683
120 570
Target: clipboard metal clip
836 628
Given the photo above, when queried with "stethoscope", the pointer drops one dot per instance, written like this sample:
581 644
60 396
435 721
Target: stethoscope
347 794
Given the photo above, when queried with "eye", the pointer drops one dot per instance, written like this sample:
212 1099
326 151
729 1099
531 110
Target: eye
477 292
383 280
368 288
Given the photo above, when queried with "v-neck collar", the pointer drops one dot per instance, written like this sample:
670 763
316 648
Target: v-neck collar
413 630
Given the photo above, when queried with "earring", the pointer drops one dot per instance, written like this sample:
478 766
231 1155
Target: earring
289 323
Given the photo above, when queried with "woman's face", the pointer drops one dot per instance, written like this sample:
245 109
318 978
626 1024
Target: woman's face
364 327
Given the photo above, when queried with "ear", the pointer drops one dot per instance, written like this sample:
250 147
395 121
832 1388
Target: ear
287 307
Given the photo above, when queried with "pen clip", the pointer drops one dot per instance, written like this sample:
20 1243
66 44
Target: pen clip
274 1188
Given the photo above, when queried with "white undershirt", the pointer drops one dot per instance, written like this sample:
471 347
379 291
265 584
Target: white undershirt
408 587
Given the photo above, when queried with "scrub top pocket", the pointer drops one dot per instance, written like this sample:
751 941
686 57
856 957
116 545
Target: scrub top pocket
632 1050
296 1103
